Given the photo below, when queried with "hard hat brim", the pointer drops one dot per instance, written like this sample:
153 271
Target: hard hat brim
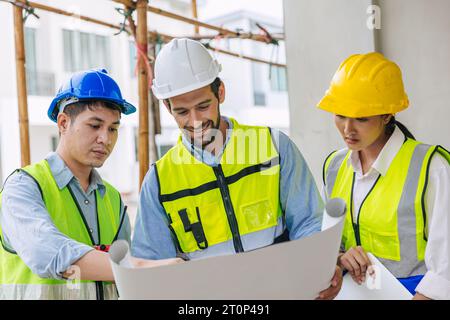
125 107
170 94
356 109
128 108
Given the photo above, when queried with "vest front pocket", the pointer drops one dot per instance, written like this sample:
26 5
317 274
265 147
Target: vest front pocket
198 227
215 223
188 229
383 245
257 216
184 239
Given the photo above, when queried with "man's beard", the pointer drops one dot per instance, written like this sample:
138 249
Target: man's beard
214 128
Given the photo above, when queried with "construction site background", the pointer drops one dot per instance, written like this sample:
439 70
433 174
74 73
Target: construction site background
57 46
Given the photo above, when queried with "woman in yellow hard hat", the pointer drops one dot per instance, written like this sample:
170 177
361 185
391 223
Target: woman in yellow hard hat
396 188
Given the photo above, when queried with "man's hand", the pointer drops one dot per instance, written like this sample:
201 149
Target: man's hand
143 263
356 261
95 266
334 288
419 296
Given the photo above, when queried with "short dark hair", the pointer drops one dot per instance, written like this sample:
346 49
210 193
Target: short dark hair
215 85
74 109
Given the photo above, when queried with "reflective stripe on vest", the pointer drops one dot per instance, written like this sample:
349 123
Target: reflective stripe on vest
332 165
66 291
18 282
392 218
212 209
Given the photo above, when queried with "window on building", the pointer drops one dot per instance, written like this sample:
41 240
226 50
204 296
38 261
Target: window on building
158 47
136 140
30 60
38 82
259 96
162 149
30 48
54 142
133 58
278 79
84 50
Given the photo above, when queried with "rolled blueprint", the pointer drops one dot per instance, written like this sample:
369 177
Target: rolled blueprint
333 213
120 251
303 268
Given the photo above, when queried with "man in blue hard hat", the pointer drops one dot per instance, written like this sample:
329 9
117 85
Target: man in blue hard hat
57 216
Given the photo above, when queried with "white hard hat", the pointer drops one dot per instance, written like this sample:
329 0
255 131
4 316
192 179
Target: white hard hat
183 65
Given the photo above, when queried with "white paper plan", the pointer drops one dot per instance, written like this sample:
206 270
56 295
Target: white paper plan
297 269
382 286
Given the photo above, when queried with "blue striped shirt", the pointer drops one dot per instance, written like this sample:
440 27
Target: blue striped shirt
299 197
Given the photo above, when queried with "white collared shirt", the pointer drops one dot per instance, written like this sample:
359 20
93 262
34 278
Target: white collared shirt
436 282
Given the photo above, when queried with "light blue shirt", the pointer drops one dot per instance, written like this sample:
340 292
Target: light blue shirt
299 197
29 231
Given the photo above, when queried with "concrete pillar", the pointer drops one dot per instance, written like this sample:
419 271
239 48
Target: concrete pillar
319 35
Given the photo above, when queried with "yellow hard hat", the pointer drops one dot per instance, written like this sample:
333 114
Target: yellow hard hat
365 85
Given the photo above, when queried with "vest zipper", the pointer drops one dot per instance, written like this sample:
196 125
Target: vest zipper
99 290
231 216
356 225
121 223
98 284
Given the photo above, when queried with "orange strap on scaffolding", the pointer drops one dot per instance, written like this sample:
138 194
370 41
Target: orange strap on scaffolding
141 50
142 54
217 40
267 36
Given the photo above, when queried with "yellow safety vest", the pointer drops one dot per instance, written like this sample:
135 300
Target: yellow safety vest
391 223
208 206
17 281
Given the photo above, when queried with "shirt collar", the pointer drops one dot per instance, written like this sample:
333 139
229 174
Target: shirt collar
386 156
63 176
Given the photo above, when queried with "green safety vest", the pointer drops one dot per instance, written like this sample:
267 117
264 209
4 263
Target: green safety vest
207 206
17 281
391 223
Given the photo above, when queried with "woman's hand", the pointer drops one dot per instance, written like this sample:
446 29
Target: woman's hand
334 288
356 262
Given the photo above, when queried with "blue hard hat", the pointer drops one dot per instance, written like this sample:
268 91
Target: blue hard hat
89 85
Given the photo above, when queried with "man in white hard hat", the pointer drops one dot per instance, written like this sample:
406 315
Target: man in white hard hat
225 187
